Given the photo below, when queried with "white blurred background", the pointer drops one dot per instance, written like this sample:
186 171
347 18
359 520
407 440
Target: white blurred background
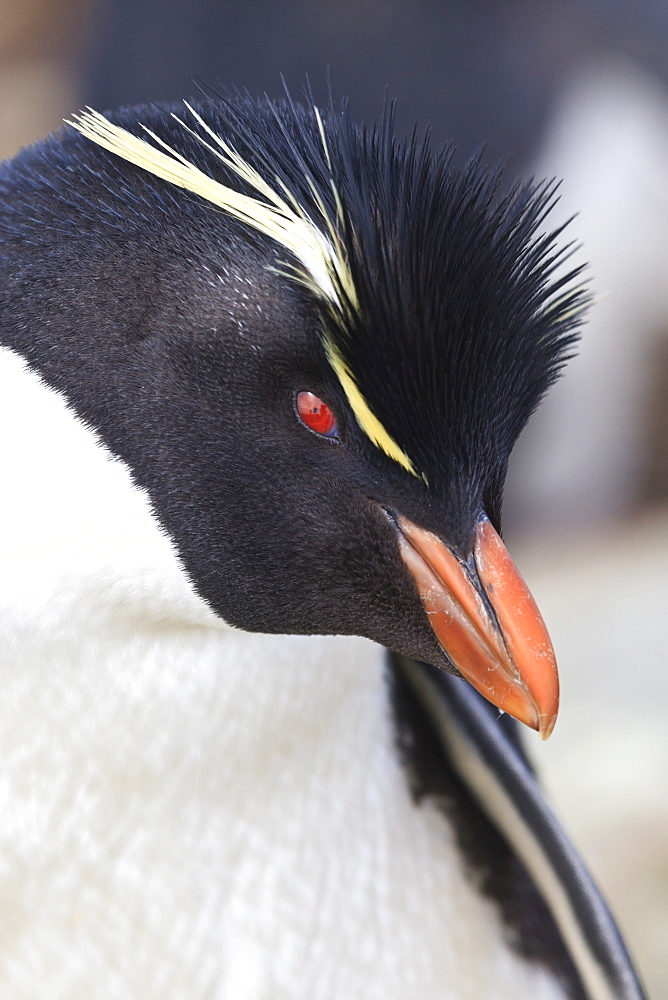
575 89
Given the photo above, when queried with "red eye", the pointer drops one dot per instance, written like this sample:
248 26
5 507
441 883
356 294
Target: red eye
316 414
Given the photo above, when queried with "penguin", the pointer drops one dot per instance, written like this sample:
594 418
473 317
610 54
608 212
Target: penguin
263 648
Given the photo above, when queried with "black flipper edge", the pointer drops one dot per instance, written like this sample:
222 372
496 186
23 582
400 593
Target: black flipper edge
499 778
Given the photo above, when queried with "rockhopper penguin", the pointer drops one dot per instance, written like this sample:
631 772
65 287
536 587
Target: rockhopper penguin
262 371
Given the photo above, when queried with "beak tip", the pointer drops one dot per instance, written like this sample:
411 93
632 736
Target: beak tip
546 725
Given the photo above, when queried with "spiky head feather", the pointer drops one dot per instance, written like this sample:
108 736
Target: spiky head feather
442 317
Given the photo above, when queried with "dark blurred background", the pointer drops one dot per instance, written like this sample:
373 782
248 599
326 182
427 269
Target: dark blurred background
572 89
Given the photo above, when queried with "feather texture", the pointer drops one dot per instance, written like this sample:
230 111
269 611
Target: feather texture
323 269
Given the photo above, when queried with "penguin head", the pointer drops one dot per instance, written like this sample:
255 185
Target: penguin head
314 346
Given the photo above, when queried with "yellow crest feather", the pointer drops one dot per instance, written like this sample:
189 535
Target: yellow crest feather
276 215
321 256
365 417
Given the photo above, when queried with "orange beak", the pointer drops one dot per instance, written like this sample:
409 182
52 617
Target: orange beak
486 621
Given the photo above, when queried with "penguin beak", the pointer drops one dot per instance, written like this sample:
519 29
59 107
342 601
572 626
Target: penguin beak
486 621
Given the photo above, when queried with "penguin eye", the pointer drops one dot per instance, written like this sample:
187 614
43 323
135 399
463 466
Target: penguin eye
316 415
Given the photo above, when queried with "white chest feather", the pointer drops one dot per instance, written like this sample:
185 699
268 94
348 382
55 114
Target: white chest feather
188 811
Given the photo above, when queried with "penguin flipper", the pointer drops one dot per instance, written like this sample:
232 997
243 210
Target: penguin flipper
457 748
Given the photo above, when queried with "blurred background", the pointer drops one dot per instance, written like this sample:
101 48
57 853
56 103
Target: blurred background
571 89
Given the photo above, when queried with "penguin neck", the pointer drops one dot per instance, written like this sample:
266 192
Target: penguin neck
86 566
189 775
